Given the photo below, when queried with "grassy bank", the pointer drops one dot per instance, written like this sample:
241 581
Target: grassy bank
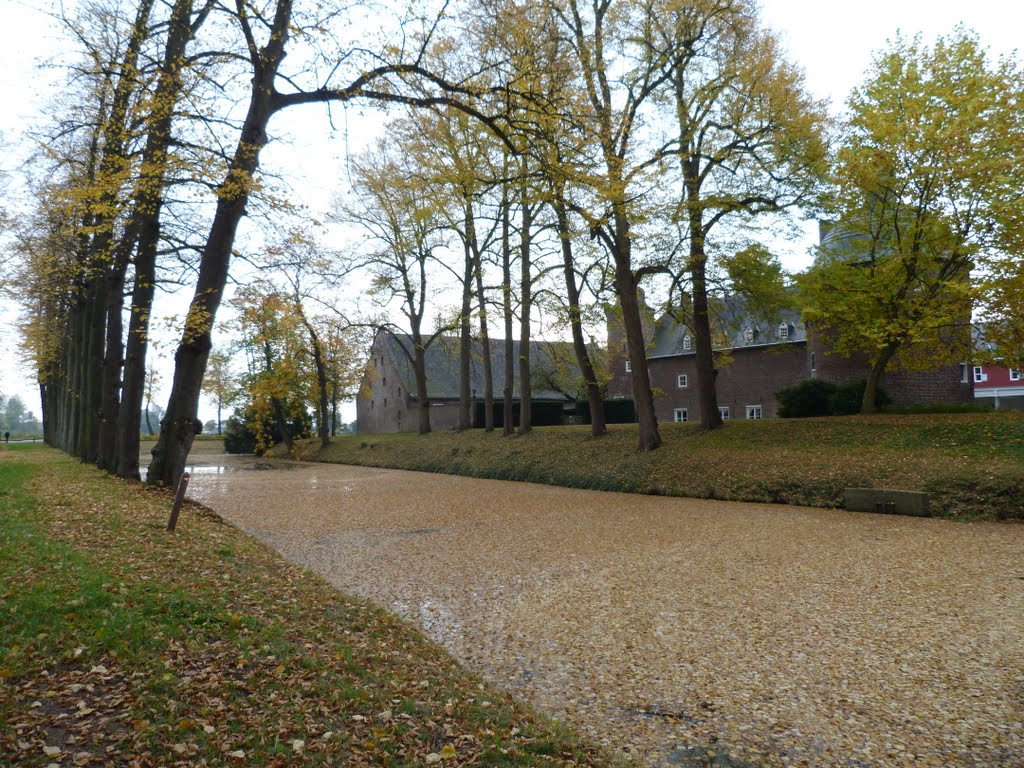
123 644
972 464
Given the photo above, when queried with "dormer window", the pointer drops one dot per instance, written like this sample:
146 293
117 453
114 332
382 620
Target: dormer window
687 342
783 330
749 335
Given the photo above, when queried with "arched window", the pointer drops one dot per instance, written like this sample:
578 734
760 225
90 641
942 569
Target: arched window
687 342
783 330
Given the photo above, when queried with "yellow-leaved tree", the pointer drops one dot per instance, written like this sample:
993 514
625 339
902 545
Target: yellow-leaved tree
927 177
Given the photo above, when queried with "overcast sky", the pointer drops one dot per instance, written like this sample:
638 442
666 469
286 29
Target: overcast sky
833 41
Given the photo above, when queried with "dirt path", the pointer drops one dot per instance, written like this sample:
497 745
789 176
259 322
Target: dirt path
781 635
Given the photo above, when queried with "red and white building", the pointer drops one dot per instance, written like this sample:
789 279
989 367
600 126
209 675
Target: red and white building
1003 387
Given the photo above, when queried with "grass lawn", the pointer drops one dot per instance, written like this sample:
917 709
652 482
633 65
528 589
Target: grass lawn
972 464
123 644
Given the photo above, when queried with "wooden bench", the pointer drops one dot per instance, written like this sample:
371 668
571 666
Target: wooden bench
887 501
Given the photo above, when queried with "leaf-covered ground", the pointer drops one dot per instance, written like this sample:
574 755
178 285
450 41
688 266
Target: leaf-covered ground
121 644
777 636
971 464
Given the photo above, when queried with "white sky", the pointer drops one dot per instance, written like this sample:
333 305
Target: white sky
833 41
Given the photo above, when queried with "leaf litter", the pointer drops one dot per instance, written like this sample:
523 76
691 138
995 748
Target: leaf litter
778 635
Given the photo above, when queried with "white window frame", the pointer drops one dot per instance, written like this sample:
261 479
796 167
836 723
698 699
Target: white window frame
783 330
755 412
629 367
680 415
723 412
687 343
980 377
1015 374
682 381
748 336
965 375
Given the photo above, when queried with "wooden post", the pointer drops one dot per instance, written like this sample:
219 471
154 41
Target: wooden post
179 497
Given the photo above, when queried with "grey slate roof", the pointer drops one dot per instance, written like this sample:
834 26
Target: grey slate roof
442 364
732 320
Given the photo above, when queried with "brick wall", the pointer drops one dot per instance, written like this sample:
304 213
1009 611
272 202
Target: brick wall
943 384
383 404
752 377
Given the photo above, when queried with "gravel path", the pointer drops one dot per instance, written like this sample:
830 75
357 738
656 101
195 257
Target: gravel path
780 635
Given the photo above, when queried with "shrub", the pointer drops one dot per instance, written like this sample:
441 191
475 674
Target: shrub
240 437
812 397
237 437
847 398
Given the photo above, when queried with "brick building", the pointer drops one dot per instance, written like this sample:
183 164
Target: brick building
757 358
387 399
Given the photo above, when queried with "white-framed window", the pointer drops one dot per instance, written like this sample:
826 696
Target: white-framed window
979 374
749 335
629 367
723 412
679 414
964 374
753 411
1015 374
682 381
814 365
687 342
783 330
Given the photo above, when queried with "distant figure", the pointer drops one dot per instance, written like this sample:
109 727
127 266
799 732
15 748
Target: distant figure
7 437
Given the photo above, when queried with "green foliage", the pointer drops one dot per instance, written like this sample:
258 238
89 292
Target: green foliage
237 437
812 397
252 432
848 398
756 274
928 203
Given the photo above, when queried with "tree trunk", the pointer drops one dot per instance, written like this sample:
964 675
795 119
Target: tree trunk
465 342
485 339
508 419
149 423
136 347
282 423
113 360
181 425
525 306
324 430
707 395
146 219
89 432
868 404
626 289
597 419
420 373
112 169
